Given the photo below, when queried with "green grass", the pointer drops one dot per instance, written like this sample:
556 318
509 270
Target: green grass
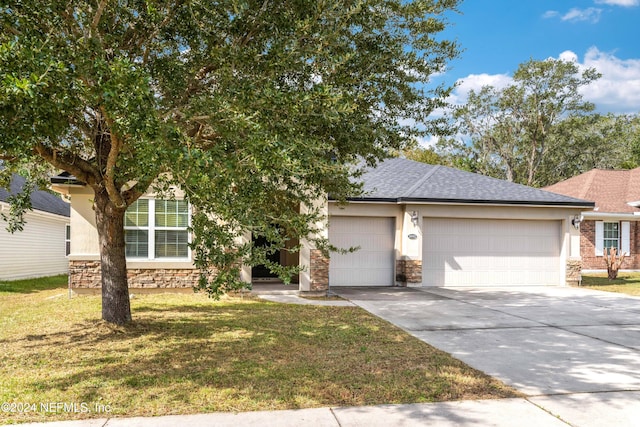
626 283
185 353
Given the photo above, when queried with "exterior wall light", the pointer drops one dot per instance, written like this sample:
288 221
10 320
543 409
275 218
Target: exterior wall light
414 218
575 221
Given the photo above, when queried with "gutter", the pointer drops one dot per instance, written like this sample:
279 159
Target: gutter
632 216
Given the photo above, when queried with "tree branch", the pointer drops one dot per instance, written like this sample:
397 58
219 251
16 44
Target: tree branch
165 21
98 15
80 168
12 30
112 157
138 189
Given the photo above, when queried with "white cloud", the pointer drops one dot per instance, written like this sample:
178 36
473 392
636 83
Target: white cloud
568 56
590 14
550 14
475 82
429 141
617 91
623 3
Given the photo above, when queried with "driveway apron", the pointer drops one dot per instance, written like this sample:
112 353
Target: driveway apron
551 343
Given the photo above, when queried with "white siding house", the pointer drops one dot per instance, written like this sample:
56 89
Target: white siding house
40 248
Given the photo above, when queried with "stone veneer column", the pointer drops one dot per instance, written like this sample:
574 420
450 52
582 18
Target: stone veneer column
574 272
408 271
85 274
319 271
314 276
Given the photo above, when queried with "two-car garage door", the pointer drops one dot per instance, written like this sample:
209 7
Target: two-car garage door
488 252
456 252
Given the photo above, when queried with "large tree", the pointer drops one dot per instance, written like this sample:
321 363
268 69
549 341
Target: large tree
512 129
254 108
582 143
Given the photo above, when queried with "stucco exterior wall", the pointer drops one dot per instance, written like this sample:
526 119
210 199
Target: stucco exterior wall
37 251
84 258
84 234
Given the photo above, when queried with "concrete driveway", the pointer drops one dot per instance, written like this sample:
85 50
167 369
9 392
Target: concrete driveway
573 351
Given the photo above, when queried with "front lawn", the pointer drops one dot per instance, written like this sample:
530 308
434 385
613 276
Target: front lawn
185 353
626 283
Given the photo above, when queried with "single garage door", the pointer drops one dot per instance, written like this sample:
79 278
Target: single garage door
482 252
373 263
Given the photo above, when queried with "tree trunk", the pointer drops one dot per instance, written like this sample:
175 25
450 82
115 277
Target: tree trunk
115 290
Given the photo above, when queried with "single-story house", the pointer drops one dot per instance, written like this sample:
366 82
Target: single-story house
416 225
40 249
614 222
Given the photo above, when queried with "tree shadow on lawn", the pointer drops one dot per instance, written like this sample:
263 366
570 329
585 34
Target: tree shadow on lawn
28 286
243 356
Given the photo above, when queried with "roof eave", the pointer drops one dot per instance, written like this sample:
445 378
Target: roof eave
66 182
415 200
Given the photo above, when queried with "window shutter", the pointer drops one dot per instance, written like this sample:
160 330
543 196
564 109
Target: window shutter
599 238
625 246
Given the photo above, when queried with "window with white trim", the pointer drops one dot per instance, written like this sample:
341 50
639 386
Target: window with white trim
67 239
157 229
611 235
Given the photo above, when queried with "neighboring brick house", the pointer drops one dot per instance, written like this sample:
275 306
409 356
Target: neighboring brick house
615 220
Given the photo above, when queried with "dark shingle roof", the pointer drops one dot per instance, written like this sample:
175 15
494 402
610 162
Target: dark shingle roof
402 180
40 200
65 177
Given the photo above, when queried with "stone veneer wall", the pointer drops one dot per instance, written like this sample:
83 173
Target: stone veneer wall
588 247
319 271
86 274
408 271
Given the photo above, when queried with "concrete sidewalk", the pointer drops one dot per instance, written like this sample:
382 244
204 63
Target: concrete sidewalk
504 412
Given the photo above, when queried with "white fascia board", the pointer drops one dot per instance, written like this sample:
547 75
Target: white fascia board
632 216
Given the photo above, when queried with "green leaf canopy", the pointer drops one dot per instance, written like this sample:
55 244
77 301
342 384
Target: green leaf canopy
253 108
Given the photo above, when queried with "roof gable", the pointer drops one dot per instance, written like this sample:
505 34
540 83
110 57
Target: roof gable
403 180
611 190
40 200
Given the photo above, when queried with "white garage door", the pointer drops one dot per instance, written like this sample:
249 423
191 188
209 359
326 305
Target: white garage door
477 252
373 263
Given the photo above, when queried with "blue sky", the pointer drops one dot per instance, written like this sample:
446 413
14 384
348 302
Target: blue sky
498 35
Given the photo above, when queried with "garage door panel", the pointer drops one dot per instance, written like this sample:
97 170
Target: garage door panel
474 252
362 260
366 277
373 263
365 241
